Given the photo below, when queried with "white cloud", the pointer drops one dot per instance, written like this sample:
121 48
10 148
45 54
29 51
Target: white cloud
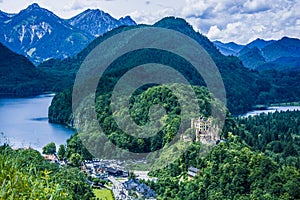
75 5
153 17
230 20
255 6
214 32
195 8
242 21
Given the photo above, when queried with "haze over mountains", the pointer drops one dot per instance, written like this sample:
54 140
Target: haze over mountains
281 55
40 35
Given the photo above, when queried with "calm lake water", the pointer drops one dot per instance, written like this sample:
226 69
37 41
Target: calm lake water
24 123
271 110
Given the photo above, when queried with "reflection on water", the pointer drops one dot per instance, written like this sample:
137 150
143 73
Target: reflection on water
24 122
271 110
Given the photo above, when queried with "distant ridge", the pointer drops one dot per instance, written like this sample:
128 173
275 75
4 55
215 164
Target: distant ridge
259 43
230 48
97 22
40 35
280 55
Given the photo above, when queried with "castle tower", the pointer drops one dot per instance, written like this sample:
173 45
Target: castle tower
203 130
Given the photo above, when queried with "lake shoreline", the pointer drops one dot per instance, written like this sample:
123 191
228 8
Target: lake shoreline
32 95
269 109
24 122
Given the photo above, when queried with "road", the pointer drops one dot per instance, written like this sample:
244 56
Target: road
118 189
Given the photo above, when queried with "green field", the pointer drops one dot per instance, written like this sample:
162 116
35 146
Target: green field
103 194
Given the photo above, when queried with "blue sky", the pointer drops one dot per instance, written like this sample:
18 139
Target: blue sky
240 21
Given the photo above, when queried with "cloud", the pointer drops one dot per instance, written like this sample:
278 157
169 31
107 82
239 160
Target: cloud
145 17
231 20
77 4
255 6
243 21
196 7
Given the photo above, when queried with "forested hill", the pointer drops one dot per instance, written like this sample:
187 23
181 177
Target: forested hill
19 77
258 160
241 84
244 88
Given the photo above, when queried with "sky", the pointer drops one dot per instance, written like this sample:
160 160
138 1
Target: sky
240 21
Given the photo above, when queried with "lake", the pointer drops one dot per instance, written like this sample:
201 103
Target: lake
24 123
271 110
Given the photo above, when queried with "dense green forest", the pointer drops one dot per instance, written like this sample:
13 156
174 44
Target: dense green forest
25 174
259 159
232 170
19 77
285 87
276 134
151 138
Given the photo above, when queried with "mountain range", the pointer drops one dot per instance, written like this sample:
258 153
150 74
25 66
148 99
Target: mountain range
97 22
62 45
261 55
40 35
230 48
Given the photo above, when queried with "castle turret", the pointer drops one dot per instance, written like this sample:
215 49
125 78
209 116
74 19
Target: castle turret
204 131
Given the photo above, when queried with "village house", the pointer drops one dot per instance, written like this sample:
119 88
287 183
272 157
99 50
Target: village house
102 169
140 188
52 158
130 184
192 172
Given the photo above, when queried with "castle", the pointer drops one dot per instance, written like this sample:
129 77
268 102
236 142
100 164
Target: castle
204 130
